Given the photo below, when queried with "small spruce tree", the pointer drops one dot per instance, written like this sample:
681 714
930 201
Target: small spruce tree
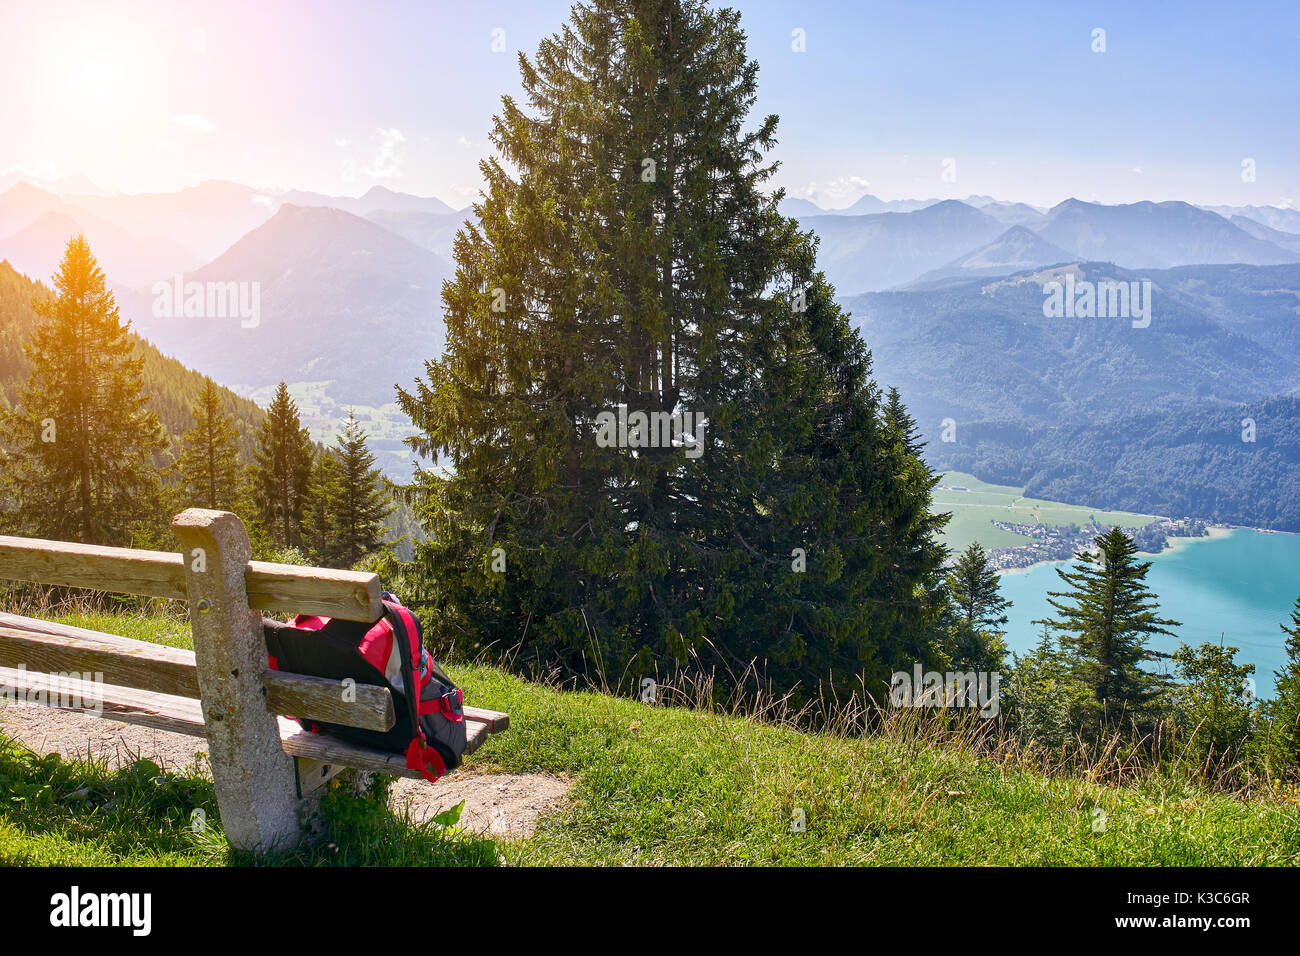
1105 619
283 470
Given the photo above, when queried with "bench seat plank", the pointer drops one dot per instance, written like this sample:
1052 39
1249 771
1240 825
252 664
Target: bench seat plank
325 749
183 715
180 715
170 670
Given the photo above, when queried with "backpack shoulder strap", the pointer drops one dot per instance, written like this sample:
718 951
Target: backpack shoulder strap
419 756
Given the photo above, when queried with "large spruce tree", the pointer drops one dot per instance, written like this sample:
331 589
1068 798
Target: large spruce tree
625 254
209 460
1105 619
282 472
80 442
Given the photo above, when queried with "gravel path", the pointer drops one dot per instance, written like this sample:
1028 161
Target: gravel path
500 804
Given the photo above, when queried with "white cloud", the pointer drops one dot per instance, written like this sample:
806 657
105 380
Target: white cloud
836 190
193 121
386 163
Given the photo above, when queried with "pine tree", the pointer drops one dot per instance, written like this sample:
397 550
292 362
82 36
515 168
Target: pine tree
981 610
1106 618
81 442
209 460
630 258
1284 709
358 505
283 469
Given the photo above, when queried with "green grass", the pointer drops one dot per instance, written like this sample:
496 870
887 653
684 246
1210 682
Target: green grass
659 785
975 509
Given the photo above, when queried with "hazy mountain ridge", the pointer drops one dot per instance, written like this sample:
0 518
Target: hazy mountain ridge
342 300
1015 250
863 253
869 253
162 233
1149 235
1051 402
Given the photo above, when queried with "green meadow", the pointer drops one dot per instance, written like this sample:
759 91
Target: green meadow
978 504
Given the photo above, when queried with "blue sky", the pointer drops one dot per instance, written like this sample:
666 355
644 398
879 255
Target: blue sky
338 97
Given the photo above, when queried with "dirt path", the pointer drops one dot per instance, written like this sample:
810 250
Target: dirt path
500 804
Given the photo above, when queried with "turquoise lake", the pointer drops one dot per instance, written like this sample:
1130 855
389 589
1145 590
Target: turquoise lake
1241 586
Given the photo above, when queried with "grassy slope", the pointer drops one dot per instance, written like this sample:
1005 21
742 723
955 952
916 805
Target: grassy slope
974 510
666 785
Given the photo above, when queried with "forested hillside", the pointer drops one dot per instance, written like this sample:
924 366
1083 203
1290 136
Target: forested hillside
1192 414
172 388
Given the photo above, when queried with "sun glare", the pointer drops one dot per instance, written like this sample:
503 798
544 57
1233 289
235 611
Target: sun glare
100 72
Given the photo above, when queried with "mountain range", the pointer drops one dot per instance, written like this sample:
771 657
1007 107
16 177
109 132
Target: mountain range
147 237
349 300
341 300
1150 419
869 253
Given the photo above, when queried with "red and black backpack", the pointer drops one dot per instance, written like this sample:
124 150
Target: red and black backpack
430 724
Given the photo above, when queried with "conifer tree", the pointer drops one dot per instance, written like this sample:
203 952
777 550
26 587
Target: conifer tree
1106 618
1211 701
320 528
1284 709
981 610
282 472
901 423
80 441
974 588
1041 692
358 503
625 259
209 460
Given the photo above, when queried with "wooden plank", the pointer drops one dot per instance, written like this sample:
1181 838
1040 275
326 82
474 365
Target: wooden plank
18 622
312 774
138 664
350 595
475 735
180 715
166 670
329 750
495 720
67 564
323 700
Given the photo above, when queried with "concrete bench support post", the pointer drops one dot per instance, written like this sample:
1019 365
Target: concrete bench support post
254 778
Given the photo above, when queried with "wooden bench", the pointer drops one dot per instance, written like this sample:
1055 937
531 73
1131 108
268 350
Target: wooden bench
267 771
